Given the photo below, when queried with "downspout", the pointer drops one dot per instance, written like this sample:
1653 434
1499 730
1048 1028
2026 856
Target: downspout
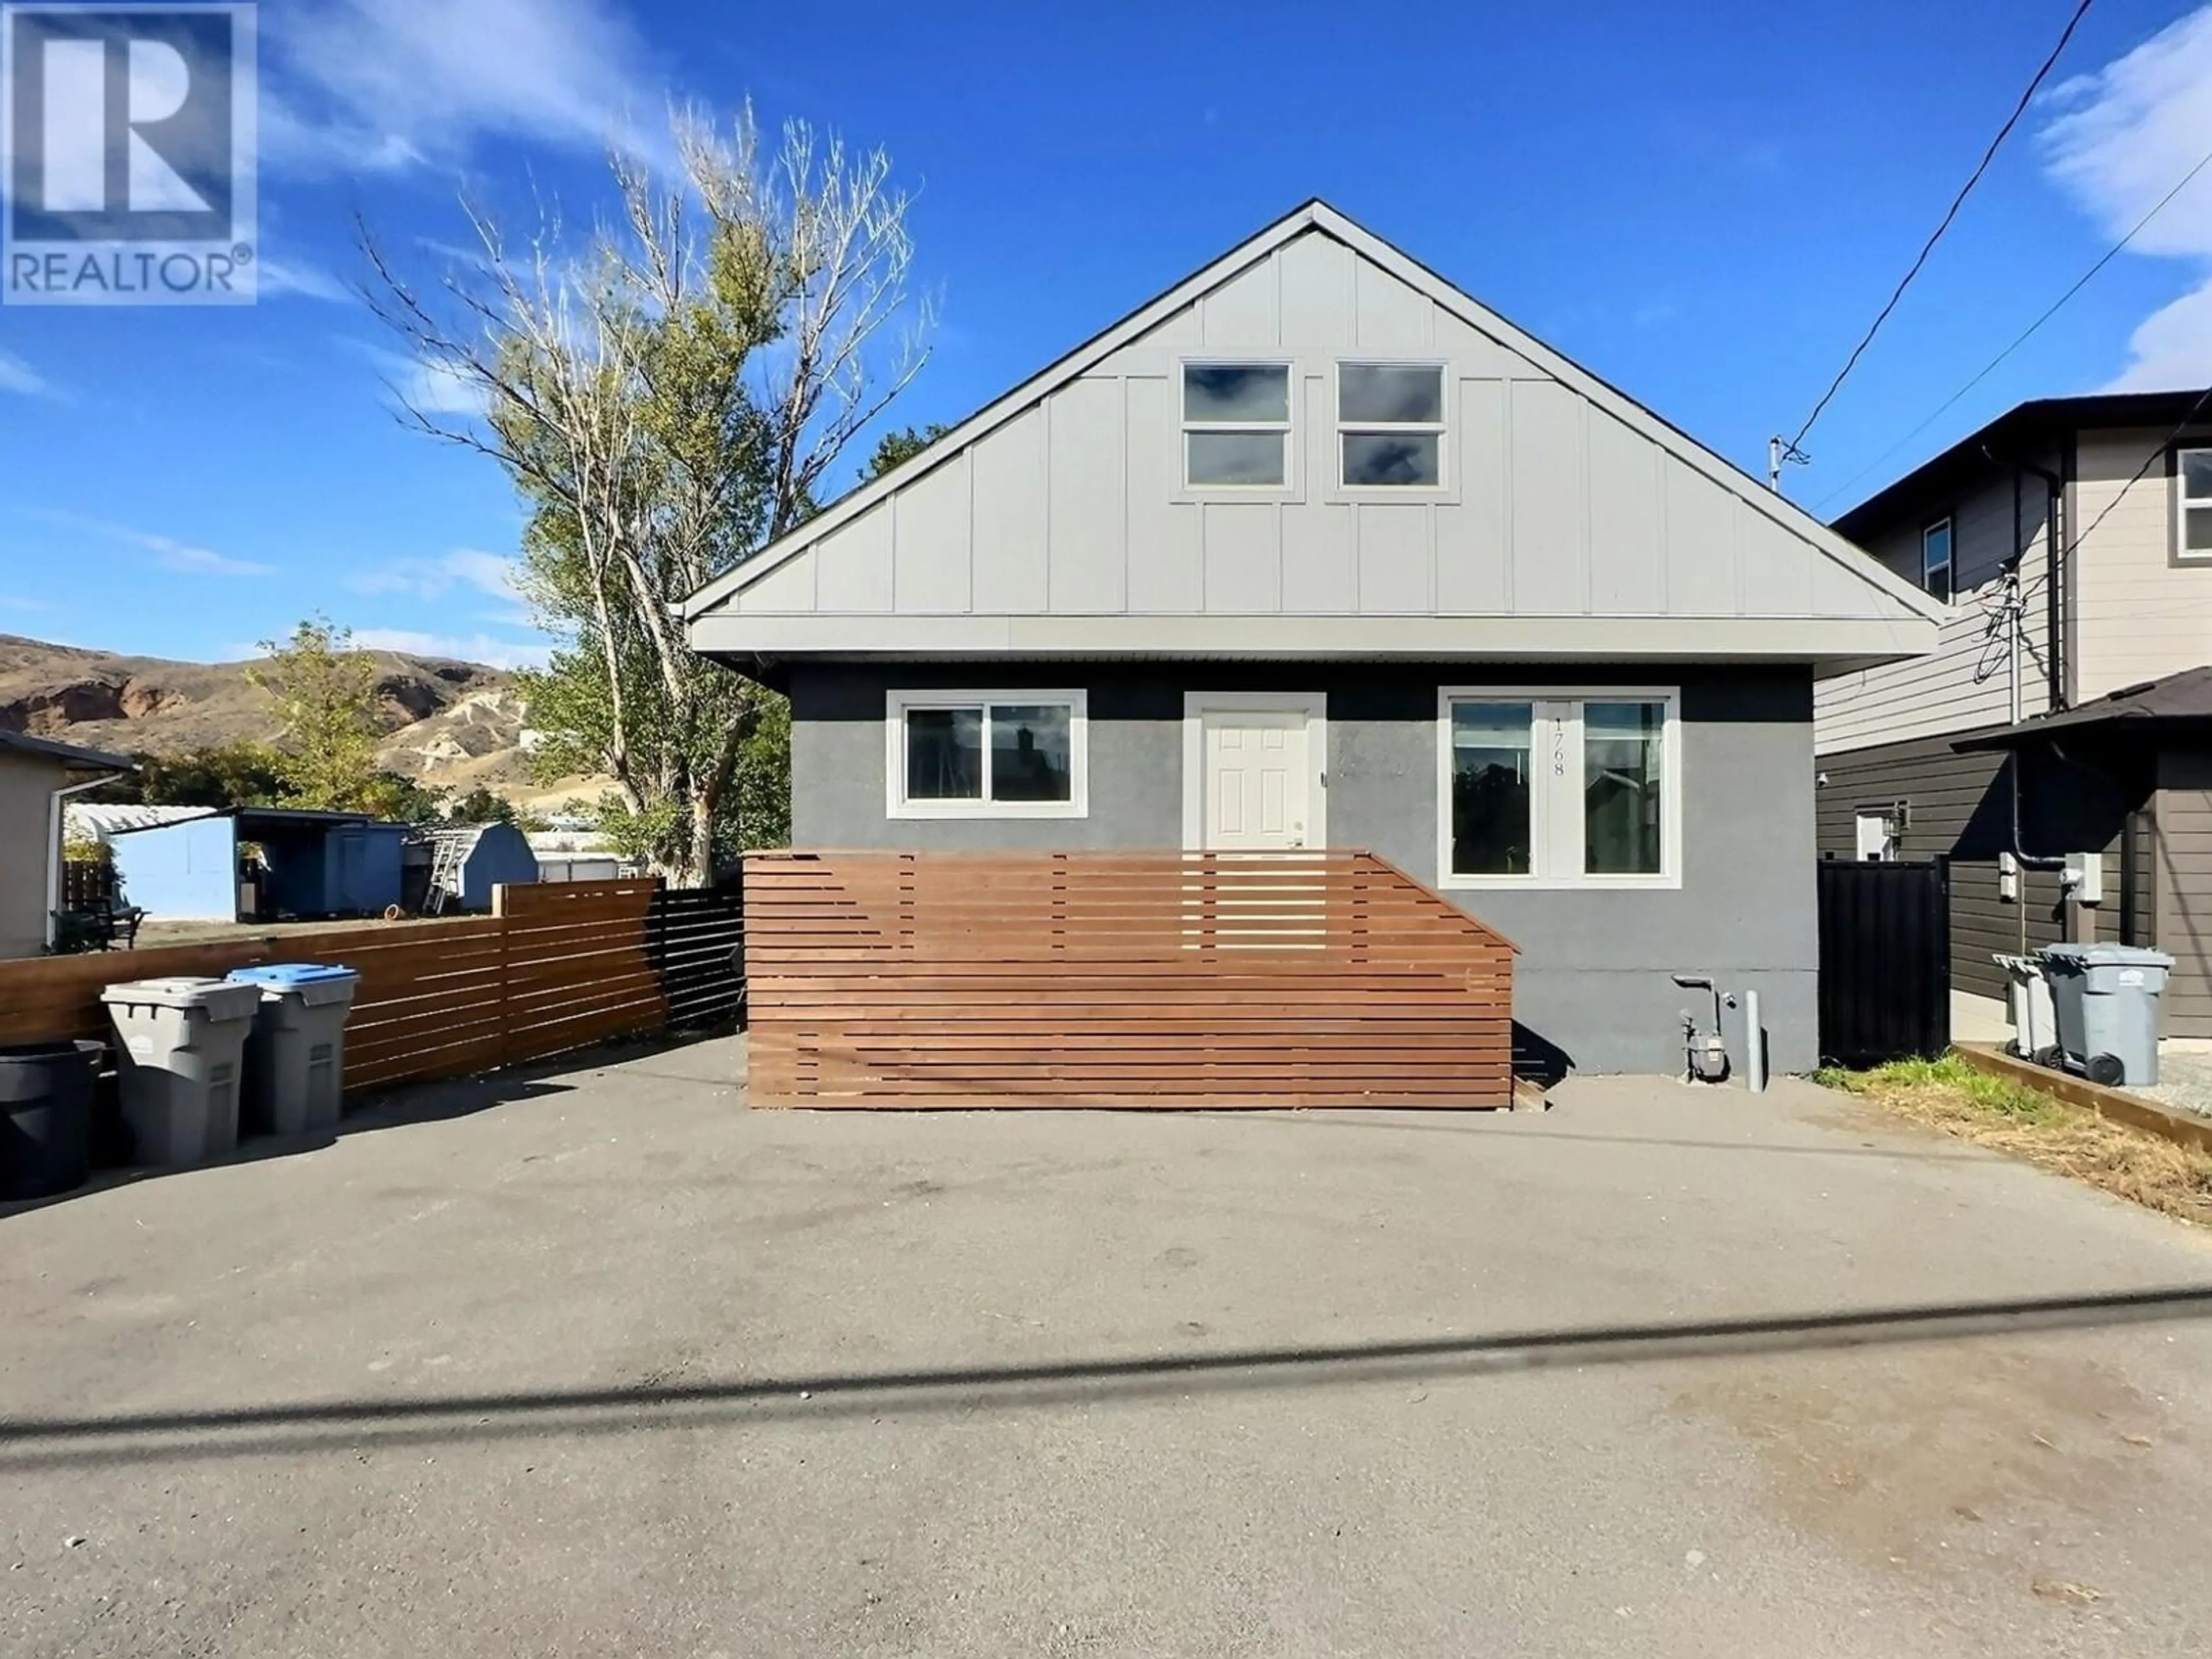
2015 615
54 846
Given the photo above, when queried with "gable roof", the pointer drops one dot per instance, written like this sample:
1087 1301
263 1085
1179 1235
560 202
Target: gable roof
1900 603
68 754
2024 433
2176 701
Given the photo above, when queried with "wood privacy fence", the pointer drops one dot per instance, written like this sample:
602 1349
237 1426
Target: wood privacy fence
555 966
1324 978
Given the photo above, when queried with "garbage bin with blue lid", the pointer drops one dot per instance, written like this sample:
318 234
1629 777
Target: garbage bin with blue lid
2105 998
178 1044
295 1058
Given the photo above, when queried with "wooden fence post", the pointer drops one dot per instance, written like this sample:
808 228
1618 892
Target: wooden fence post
499 903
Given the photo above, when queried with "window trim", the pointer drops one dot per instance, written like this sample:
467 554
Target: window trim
898 702
1551 837
2179 550
1294 382
1950 526
1446 484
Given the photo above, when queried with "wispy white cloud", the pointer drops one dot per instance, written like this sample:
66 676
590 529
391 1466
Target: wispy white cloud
17 601
2122 138
464 569
16 375
367 86
169 552
283 276
485 648
428 388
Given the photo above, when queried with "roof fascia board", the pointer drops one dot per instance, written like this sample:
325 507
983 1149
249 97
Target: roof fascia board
1749 639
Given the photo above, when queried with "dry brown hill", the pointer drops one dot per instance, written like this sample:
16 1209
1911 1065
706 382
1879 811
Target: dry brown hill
445 722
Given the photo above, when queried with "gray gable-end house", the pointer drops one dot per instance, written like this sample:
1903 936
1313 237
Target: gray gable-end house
1315 549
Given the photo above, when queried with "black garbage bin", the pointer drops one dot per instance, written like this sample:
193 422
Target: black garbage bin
46 1117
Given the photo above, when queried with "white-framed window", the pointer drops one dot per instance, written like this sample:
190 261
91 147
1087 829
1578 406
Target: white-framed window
2193 507
1391 426
1557 787
1236 425
1936 560
1018 754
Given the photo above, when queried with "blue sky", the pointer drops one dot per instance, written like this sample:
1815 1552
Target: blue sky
1705 204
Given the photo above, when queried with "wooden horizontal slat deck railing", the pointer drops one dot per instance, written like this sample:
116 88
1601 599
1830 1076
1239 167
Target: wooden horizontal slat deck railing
1325 978
557 965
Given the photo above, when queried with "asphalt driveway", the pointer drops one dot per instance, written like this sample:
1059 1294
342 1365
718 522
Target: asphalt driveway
601 1362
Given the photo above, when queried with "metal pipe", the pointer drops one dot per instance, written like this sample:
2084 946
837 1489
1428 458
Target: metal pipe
54 847
1755 1046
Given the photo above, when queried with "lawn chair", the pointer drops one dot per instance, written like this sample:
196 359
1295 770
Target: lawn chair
107 925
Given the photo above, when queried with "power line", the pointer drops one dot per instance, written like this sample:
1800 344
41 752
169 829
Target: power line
1952 213
1990 367
2075 544
2157 454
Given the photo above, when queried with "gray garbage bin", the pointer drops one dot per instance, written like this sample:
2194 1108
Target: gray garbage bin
178 1042
295 1058
2106 1000
2028 994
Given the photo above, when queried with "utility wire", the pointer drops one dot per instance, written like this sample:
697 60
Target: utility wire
1990 367
1957 202
2157 454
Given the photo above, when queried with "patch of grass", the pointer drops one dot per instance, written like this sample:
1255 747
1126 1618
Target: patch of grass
1962 1100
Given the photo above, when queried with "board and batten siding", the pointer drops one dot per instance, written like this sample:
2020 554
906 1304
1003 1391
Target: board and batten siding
1076 505
1949 691
2137 614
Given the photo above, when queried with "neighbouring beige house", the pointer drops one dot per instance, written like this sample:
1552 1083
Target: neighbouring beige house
2068 710
36 775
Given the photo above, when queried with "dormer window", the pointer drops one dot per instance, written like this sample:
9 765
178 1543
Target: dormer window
1936 560
1236 425
2192 528
1390 425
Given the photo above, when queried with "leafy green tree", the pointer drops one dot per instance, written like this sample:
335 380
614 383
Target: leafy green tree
664 407
243 774
896 448
480 805
326 693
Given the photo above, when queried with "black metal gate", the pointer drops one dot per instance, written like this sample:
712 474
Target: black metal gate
1885 961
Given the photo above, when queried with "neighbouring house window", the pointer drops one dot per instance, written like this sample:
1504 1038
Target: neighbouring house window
1236 425
1560 789
1390 425
1877 838
2193 526
985 754
1936 559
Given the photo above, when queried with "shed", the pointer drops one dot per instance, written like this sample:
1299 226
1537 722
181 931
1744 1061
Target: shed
313 864
469 860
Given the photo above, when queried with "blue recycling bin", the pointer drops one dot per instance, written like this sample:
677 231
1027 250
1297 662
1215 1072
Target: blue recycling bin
296 1053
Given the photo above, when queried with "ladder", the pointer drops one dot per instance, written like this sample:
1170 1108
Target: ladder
445 874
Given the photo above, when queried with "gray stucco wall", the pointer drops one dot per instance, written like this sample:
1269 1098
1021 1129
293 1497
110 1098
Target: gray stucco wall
1592 986
27 787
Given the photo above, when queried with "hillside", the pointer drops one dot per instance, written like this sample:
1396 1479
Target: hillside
445 722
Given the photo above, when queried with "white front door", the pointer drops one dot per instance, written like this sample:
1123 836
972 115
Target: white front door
1258 779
